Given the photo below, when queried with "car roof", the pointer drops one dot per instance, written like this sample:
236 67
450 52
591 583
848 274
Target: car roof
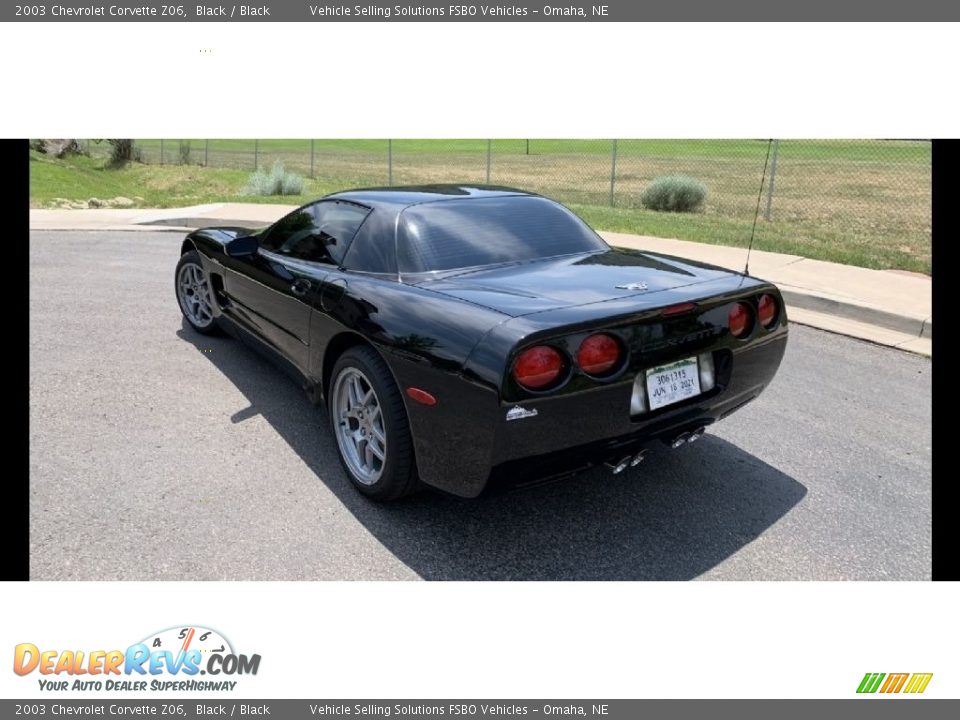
398 197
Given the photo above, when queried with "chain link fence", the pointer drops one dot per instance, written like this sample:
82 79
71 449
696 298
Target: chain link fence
854 189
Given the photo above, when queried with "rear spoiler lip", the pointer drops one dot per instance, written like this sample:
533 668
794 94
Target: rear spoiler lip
624 309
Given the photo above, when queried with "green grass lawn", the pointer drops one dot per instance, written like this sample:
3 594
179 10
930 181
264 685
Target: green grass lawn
160 186
783 237
855 202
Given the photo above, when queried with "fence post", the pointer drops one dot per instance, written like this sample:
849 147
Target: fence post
256 155
206 153
311 158
613 171
528 147
488 161
389 162
773 177
161 151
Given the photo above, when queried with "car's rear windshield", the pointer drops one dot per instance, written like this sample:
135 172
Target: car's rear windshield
452 234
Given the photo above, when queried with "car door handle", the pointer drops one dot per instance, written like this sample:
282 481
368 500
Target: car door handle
300 287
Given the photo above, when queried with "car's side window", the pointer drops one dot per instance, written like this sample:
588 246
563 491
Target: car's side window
286 229
317 233
307 241
337 223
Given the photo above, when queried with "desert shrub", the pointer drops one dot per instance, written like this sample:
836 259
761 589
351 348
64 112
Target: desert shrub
183 152
292 184
276 182
674 193
259 183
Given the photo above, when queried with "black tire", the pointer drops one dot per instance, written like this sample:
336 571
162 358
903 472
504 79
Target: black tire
192 258
398 473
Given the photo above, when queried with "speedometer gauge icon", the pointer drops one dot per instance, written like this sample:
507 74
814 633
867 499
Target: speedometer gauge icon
188 637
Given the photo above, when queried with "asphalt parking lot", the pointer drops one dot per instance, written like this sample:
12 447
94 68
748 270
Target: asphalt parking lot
159 454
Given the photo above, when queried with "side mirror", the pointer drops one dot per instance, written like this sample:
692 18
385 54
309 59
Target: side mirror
240 247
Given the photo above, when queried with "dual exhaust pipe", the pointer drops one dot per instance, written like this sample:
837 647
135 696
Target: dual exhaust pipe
687 437
618 465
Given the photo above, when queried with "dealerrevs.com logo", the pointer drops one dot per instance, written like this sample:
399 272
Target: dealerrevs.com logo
172 659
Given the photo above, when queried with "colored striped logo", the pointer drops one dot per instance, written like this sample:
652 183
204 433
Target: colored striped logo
894 682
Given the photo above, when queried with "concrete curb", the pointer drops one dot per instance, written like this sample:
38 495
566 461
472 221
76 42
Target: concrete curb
908 325
861 331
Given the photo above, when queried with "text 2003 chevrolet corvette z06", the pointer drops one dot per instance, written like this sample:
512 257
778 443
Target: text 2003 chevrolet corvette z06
458 334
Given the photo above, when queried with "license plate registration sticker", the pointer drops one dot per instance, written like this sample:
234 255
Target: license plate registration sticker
669 384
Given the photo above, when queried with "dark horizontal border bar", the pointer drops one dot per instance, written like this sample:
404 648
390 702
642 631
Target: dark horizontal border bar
431 10
207 706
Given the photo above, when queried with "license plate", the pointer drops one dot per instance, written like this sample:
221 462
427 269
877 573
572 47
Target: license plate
669 384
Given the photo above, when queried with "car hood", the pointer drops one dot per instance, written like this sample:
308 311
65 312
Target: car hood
554 283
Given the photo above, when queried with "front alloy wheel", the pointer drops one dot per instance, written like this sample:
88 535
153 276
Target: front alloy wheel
193 293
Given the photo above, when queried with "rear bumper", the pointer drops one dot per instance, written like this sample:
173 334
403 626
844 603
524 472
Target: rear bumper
576 430
563 461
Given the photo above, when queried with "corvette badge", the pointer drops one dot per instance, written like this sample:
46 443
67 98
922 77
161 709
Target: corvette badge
519 413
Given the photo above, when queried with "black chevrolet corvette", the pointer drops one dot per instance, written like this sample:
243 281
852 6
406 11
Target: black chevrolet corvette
462 334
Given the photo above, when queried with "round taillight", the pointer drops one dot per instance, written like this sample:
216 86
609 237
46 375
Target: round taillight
538 367
767 310
598 354
740 320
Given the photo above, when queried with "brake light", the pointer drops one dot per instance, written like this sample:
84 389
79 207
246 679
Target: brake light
538 367
767 310
677 309
599 354
740 319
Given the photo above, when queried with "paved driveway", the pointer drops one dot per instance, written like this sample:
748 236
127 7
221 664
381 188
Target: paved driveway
160 454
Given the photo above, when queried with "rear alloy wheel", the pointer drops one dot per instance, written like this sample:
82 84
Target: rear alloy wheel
369 422
193 294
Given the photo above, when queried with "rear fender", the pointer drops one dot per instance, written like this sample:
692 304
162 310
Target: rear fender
425 338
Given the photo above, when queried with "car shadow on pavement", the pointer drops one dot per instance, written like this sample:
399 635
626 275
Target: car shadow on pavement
673 518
